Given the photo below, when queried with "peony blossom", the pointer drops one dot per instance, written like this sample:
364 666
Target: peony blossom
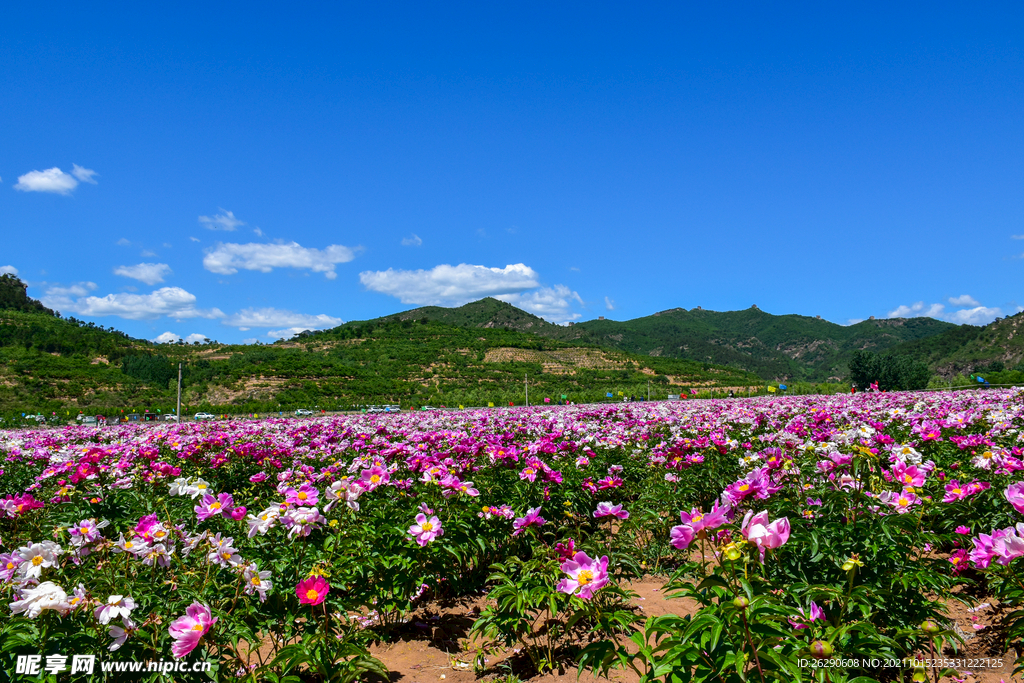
312 591
187 630
425 529
586 576
45 596
532 518
115 606
606 509
757 530
1015 495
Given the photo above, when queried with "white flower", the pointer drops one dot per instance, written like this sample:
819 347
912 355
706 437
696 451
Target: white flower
263 522
37 556
116 606
180 487
47 595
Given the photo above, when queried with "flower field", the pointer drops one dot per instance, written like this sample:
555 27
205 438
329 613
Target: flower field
819 537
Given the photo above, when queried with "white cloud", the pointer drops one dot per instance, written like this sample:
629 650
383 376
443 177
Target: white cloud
412 240
149 273
165 338
259 233
286 333
917 310
979 315
451 285
224 220
4 270
83 174
227 259
51 180
551 303
77 289
173 302
194 239
970 311
1017 237
195 337
274 317
123 242
146 253
963 300
609 304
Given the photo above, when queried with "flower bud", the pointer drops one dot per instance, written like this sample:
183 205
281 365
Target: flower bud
740 602
930 627
821 649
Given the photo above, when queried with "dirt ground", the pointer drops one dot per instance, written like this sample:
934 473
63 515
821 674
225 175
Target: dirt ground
437 648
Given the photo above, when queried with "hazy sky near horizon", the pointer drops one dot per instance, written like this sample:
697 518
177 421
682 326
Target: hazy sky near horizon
243 171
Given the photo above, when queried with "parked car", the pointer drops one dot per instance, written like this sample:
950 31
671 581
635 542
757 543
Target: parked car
303 412
89 420
204 416
377 409
170 417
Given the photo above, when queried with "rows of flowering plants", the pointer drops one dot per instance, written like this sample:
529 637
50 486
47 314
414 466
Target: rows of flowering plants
829 530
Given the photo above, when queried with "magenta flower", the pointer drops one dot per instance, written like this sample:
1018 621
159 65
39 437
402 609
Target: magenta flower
425 529
566 550
681 536
757 530
606 509
699 521
586 576
305 495
187 630
1015 495
312 591
963 530
532 518
373 477
815 614
223 504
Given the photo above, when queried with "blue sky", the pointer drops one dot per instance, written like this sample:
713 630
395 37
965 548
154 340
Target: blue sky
241 171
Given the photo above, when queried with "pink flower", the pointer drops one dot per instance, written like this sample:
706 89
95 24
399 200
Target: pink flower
955 492
532 518
815 614
258 477
681 536
758 531
223 504
187 630
606 509
585 575
312 591
1015 494
698 521
964 530
566 550
238 513
305 495
373 477
425 529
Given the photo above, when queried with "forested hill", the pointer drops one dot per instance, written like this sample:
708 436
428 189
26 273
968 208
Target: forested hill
782 347
51 364
13 296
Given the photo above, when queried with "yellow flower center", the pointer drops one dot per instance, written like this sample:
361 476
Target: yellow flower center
84 530
215 506
255 580
10 565
197 627
263 517
302 495
427 526
585 577
129 544
311 594
375 479
37 560
696 519
744 487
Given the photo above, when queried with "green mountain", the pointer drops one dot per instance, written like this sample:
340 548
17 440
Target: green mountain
993 349
49 363
779 347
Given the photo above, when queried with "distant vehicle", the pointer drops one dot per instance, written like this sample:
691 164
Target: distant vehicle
170 417
204 416
377 409
392 409
427 408
303 412
89 420
41 419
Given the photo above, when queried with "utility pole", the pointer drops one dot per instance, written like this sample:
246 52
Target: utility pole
648 391
178 413
526 383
